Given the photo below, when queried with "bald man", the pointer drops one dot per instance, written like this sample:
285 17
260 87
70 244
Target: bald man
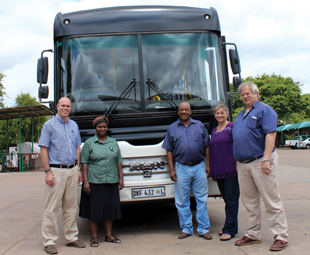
60 154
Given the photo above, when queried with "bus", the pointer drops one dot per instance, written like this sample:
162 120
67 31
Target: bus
135 64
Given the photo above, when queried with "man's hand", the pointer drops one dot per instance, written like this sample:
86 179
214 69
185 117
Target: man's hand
266 168
173 175
208 171
49 178
79 176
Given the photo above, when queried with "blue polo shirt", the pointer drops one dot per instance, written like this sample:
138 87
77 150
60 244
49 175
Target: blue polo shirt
61 139
249 132
187 144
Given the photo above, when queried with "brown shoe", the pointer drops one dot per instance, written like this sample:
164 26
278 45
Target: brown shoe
246 240
183 235
278 245
50 249
206 236
76 244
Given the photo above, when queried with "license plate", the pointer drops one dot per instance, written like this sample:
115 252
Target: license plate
148 192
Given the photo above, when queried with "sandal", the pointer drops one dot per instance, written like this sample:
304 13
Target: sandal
225 237
94 241
115 239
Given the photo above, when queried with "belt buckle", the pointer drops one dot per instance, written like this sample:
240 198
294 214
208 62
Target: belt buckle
191 163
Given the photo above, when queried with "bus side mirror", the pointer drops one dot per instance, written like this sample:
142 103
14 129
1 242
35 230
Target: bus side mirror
43 92
42 70
234 61
236 82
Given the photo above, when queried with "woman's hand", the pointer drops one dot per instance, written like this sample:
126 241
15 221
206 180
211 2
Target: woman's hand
86 187
120 184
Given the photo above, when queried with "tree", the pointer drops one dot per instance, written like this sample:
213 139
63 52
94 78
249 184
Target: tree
282 94
25 100
306 101
2 92
236 102
26 125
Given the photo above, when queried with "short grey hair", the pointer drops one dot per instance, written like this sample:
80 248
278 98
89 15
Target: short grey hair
252 86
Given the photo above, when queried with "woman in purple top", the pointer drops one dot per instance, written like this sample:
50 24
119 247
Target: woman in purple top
223 169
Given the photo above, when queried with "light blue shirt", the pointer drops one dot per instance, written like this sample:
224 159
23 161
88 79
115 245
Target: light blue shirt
61 139
249 132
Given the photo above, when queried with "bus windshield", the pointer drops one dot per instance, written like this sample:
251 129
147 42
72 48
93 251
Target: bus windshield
95 71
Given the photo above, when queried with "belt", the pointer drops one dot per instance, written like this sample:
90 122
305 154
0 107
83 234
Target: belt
193 163
250 160
63 165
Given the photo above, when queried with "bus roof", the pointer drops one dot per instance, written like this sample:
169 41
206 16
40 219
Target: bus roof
136 19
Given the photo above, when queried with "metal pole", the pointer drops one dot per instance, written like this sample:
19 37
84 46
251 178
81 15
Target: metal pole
298 140
32 133
7 135
19 144
282 139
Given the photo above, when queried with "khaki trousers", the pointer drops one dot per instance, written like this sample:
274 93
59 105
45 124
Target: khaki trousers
255 185
62 195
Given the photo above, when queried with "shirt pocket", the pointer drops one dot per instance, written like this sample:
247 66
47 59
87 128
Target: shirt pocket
252 123
196 136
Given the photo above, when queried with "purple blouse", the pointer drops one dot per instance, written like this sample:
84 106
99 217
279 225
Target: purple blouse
222 163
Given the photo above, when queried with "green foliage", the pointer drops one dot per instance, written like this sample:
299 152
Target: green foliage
236 103
25 100
289 136
282 94
28 125
306 102
2 92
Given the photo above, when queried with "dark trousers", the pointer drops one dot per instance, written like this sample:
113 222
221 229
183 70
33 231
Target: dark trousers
229 189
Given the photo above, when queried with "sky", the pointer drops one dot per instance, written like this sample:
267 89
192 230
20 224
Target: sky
273 36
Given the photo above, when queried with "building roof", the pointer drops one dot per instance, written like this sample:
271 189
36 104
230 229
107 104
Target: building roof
25 111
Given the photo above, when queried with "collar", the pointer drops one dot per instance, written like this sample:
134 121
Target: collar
254 106
60 119
97 139
191 121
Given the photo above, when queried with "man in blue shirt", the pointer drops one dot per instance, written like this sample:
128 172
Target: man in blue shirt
60 154
186 142
254 135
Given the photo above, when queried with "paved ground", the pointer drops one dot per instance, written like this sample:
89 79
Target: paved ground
153 229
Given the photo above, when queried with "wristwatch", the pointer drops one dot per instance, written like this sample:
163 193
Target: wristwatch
266 160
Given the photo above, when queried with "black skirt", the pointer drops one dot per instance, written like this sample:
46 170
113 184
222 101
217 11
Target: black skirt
103 202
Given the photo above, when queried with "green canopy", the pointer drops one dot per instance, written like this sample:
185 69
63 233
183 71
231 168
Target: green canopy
297 126
283 127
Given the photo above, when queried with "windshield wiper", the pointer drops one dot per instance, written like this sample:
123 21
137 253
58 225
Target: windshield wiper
122 96
160 92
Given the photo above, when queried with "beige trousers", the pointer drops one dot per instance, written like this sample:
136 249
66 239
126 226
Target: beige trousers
62 195
255 185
